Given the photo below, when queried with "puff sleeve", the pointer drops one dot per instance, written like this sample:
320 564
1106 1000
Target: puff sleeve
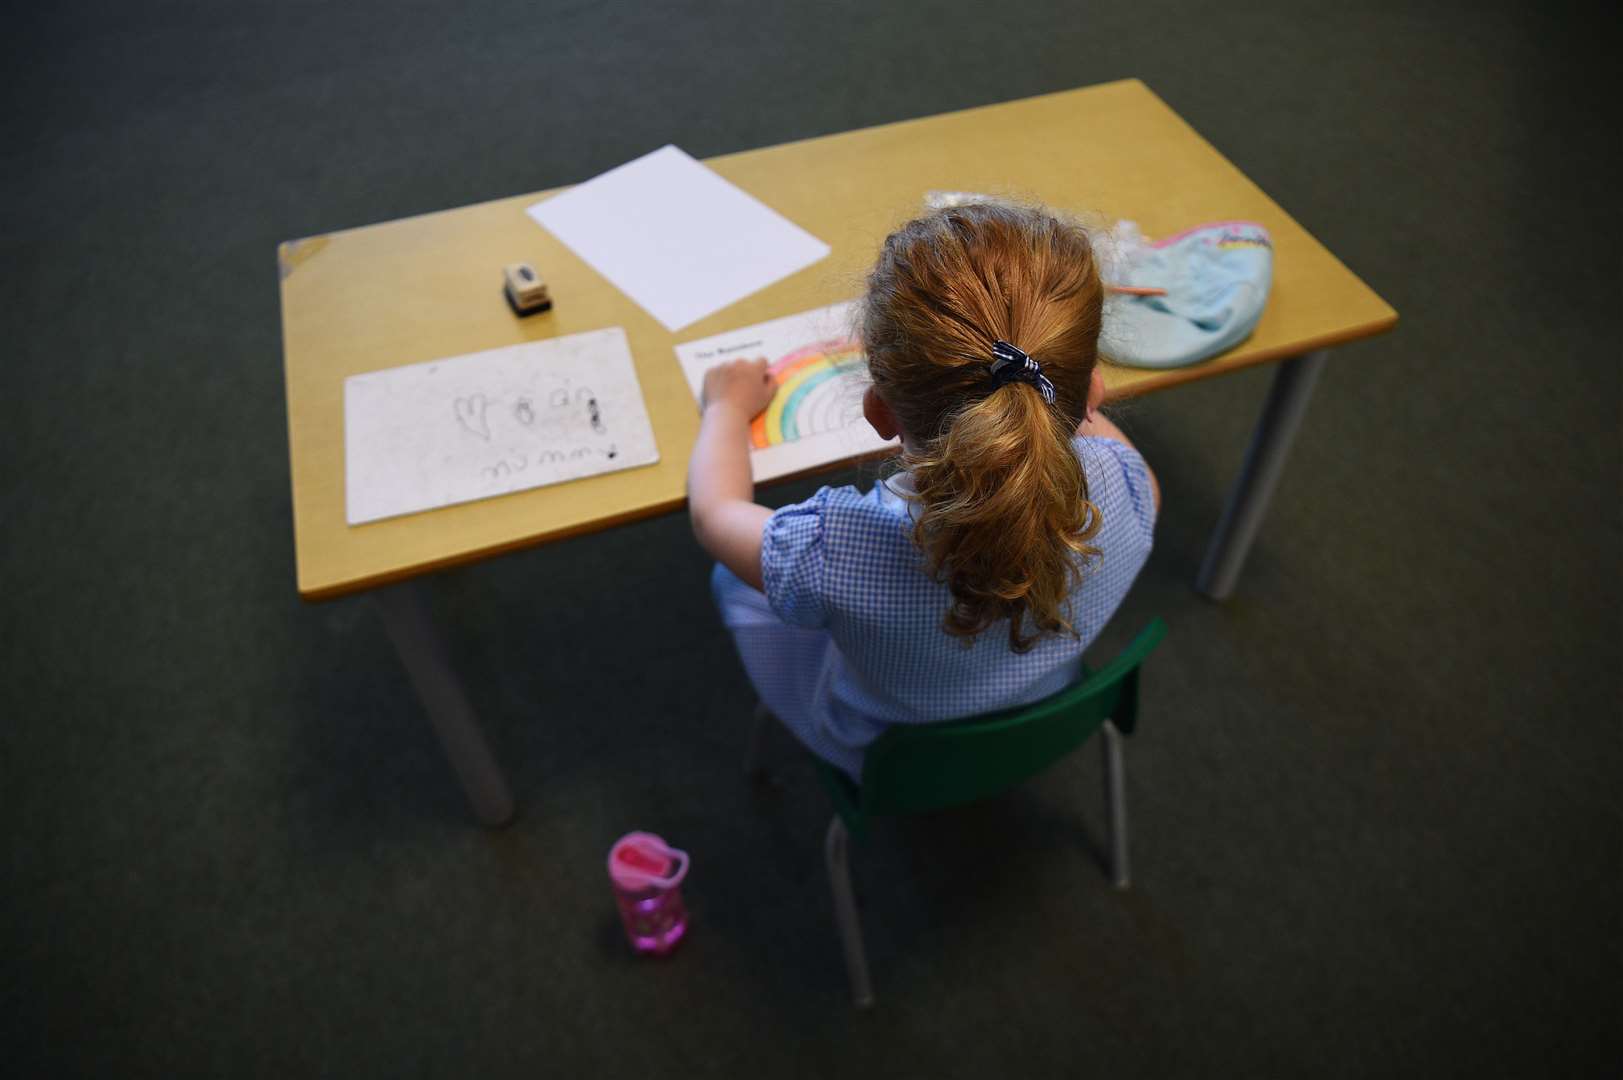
794 562
1117 475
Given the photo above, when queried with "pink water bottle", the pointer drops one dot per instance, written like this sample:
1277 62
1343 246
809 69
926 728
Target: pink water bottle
647 875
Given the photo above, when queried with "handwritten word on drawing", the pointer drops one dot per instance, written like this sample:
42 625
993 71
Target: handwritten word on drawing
510 466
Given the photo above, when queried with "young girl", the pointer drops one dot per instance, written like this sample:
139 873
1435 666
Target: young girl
973 578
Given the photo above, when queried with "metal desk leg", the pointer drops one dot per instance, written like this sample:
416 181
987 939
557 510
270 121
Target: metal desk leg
417 639
1264 461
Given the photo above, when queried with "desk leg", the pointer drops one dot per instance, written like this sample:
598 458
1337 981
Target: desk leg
417 639
1264 461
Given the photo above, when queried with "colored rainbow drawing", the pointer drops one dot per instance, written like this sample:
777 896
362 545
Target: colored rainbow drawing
814 394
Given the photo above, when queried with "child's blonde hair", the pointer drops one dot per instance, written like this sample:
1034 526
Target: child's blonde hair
1005 515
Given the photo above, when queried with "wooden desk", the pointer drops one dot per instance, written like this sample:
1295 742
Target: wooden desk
426 287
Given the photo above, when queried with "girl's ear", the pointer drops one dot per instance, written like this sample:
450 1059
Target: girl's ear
1096 392
877 413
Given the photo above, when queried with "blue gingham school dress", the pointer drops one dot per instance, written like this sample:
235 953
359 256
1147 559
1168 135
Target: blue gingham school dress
847 638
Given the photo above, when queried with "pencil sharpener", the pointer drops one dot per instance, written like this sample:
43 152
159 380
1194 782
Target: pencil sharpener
525 291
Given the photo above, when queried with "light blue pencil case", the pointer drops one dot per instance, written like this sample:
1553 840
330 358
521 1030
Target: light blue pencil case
1216 279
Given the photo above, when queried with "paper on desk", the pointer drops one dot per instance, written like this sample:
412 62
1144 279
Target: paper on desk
675 237
490 423
815 418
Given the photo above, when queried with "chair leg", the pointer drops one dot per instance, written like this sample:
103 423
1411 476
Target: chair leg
836 852
757 739
1116 805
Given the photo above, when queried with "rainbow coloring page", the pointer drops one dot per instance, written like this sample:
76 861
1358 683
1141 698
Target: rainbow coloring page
815 418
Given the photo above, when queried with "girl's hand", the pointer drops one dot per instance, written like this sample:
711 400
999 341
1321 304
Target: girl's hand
746 385
721 489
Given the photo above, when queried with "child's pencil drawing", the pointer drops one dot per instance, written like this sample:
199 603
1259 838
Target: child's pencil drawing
470 413
468 427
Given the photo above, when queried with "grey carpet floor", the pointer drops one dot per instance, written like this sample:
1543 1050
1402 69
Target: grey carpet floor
1375 800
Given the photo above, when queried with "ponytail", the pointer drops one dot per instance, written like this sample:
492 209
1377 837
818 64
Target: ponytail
1005 516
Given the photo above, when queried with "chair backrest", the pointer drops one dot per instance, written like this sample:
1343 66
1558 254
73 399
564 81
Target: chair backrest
912 769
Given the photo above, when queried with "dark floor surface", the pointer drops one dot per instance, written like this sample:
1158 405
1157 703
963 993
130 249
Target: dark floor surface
1375 796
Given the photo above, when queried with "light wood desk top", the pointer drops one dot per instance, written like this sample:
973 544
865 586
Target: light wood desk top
427 287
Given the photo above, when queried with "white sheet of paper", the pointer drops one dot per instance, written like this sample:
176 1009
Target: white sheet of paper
816 416
675 237
489 423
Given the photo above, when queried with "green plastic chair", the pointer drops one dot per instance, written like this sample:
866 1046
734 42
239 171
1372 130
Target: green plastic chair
910 770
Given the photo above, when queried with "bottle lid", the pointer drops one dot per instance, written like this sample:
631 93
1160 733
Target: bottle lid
639 860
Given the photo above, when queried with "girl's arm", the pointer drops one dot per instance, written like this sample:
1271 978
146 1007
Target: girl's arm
1098 425
721 492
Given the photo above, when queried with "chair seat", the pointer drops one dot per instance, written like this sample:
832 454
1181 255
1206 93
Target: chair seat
917 768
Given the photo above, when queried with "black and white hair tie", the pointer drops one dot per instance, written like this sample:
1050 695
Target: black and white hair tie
1009 365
